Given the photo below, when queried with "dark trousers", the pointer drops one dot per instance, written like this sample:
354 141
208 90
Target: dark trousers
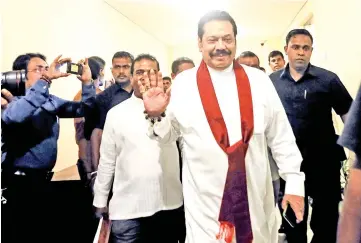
26 213
323 186
162 227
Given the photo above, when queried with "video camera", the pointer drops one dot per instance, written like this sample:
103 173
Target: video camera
14 82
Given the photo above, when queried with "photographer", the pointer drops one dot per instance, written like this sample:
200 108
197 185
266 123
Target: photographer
30 130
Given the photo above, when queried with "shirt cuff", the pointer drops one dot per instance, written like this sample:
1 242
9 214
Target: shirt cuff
295 184
88 90
100 201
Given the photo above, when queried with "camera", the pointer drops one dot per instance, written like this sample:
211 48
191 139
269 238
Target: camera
14 82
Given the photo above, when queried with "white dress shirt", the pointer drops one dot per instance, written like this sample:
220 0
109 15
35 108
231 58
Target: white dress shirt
145 172
205 164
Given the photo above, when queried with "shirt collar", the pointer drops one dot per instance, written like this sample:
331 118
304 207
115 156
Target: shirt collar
136 100
310 71
229 69
120 88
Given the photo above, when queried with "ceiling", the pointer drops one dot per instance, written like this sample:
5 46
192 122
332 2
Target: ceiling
174 22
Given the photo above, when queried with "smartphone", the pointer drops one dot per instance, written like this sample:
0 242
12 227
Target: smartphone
290 216
72 68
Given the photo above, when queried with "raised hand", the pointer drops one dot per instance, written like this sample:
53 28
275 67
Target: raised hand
154 98
86 76
54 72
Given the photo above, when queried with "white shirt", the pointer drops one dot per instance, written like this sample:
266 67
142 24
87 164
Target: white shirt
205 164
145 172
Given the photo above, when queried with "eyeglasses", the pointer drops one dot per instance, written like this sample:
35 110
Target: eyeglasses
118 67
39 69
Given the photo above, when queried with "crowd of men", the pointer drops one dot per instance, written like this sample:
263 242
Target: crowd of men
205 155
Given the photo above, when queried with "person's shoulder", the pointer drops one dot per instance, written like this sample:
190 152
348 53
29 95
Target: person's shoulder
261 85
183 80
186 75
122 106
276 75
255 75
323 73
104 97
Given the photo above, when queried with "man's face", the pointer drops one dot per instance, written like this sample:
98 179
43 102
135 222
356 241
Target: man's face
182 67
166 84
276 63
299 51
249 61
140 67
36 68
121 69
218 44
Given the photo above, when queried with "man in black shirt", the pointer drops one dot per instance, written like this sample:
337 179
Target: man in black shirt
308 94
349 230
110 97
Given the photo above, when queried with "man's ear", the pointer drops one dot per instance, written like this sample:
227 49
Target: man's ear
285 48
132 80
200 46
172 75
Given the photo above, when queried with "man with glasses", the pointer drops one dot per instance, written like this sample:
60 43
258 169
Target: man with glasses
30 130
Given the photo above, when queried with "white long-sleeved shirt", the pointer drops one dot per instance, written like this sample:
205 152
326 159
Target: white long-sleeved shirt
205 164
145 172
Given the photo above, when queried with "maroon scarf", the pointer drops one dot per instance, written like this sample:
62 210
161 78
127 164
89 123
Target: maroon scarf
234 213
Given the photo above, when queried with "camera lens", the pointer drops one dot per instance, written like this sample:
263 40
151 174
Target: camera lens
14 82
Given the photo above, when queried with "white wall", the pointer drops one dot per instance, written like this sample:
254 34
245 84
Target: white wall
74 28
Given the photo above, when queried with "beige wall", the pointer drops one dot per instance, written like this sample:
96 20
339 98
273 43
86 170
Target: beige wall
337 37
75 28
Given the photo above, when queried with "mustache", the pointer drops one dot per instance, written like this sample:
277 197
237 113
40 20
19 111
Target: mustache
220 52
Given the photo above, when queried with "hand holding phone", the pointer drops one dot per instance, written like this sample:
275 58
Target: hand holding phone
289 216
80 69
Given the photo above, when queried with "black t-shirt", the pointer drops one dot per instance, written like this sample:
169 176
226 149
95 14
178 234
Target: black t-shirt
104 101
351 136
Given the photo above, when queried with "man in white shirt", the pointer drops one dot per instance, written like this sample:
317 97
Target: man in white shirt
147 192
227 184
